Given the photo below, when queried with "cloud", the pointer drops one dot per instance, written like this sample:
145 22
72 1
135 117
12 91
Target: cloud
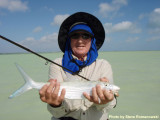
157 10
154 18
105 7
58 19
110 9
119 2
13 5
125 25
154 38
153 25
122 26
29 39
153 21
46 43
132 39
154 30
142 16
49 9
37 29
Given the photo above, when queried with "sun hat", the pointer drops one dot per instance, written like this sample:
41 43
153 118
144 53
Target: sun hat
76 65
81 28
79 18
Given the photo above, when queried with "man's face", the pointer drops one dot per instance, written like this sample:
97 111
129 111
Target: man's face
80 44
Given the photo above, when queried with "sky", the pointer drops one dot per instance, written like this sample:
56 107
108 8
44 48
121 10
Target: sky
130 25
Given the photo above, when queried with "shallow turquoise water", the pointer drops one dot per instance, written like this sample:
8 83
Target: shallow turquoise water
137 73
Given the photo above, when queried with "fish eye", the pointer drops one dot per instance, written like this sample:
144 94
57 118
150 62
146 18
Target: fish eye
106 84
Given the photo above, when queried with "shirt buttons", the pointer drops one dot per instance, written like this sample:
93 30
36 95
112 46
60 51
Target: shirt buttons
65 110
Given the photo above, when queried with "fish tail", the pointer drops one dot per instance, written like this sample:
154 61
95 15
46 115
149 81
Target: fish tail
29 83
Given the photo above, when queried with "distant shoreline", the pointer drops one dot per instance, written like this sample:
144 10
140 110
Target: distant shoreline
61 52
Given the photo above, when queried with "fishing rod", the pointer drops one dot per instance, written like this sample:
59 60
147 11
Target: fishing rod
48 60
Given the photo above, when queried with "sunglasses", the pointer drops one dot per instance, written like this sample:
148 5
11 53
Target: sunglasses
84 36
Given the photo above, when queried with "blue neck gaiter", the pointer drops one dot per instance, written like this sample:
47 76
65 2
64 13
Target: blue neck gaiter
76 65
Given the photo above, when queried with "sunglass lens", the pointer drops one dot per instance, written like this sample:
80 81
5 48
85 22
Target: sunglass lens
83 35
75 36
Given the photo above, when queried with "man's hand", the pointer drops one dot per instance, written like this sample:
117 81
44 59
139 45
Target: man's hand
49 93
99 95
104 79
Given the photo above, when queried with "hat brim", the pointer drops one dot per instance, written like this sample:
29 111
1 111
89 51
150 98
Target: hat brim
84 31
87 18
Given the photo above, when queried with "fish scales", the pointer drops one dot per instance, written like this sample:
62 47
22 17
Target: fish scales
74 89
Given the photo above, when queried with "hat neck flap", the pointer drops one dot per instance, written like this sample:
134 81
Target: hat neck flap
76 65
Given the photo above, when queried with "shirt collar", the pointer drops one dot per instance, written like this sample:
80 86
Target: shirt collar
85 58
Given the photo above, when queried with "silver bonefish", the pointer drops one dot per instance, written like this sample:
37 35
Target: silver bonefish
74 89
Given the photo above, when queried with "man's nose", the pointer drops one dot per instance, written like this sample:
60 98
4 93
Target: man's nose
80 39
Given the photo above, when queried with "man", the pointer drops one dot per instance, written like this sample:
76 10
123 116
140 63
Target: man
80 37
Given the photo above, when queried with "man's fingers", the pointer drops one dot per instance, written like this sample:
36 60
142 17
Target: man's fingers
42 91
56 90
108 95
104 79
49 93
43 99
100 93
94 95
61 97
116 94
52 80
88 97
49 90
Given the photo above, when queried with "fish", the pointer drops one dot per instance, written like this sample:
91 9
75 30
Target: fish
74 89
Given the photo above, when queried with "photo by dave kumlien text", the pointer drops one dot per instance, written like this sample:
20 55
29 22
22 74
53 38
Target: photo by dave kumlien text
134 116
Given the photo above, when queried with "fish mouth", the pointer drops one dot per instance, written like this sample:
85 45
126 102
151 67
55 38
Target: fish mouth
116 88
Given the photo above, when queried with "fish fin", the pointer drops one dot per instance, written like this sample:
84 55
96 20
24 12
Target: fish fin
27 86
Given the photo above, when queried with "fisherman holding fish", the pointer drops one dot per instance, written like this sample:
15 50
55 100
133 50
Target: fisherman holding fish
80 37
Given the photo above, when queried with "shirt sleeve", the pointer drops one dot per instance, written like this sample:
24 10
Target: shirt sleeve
106 107
58 112
55 72
106 71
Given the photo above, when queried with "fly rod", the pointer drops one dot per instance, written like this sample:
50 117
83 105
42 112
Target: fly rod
48 60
